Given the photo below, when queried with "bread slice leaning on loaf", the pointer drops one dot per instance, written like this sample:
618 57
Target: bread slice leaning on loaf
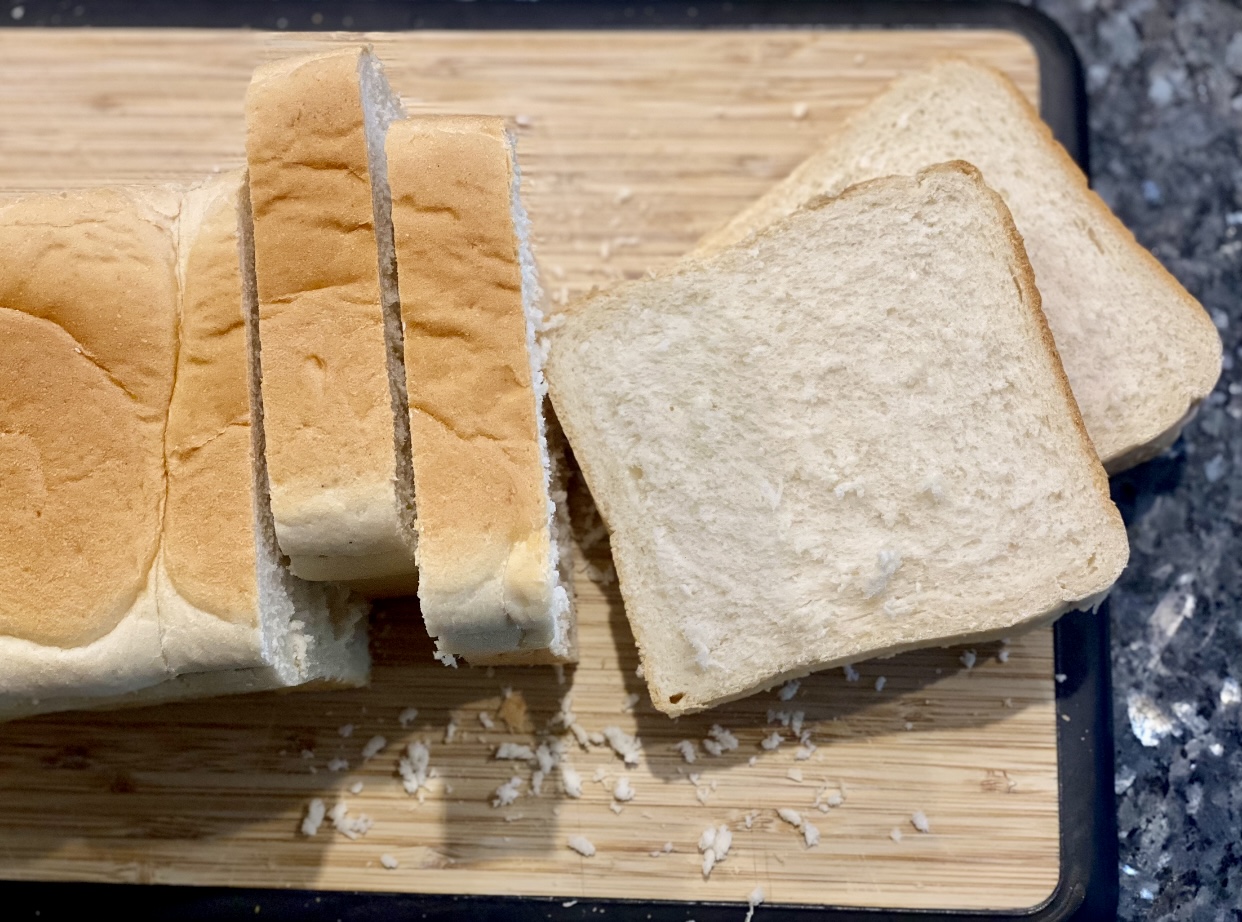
494 577
1140 352
338 445
845 437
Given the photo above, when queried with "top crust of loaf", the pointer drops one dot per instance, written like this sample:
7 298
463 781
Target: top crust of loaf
87 381
792 488
486 579
1140 352
327 404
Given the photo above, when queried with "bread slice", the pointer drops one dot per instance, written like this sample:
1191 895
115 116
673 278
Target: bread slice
338 446
85 380
1139 351
214 612
846 437
490 512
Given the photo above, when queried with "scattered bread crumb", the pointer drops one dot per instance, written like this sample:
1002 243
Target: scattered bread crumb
810 834
851 674
755 899
720 740
486 720
686 748
623 195
375 745
516 752
345 730
969 658
630 700
880 683
338 765
413 767
638 670
356 787
315 812
507 793
772 741
522 121
794 774
626 746
450 731
389 862
800 110
407 717
571 781
622 790
919 820
582 845
1002 655
1060 677
792 817
895 834
352 827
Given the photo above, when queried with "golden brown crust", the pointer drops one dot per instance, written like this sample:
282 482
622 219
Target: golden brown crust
87 381
484 541
327 403
208 547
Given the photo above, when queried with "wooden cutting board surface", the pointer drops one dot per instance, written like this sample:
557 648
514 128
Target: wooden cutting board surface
632 145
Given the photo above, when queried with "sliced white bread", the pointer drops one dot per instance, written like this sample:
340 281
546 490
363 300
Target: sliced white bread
494 582
1140 352
846 437
338 445
213 611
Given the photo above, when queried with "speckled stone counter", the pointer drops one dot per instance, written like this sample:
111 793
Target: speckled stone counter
1164 81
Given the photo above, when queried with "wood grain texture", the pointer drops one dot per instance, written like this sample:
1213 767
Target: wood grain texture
632 145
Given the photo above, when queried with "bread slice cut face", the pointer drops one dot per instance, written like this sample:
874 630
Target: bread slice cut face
1139 350
847 436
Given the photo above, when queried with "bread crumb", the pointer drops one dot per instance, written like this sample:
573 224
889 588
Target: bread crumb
338 765
569 904
517 752
834 799
638 670
407 717
600 774
507 793
1002 655
356 787
345 730
755 899
720 740
389 862
880 683
1060 677
523 121
895 835
375 745
686 748
810 834
800 110
804 752
851 674
772 741
352 827
630 700
623 195
969 658
315 812
792 817
626 746
615 808
622 790
571 781
714 843
486 720
308 754
794 774
448 659
582 845
919 820
413 767
752 761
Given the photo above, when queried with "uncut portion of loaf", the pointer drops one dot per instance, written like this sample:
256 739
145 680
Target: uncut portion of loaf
85 380
845 437
1139 351
333 389
490 585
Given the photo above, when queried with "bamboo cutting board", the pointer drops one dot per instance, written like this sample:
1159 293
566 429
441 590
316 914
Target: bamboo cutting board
632 145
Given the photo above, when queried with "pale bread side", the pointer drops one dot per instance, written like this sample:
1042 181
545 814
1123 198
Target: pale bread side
1140 352
489 583
846 437
338 466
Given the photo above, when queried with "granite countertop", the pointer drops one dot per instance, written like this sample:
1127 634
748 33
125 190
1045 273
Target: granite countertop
1164 80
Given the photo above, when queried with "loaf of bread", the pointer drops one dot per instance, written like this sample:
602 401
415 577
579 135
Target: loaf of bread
338 443
846 436
493 576
1140 352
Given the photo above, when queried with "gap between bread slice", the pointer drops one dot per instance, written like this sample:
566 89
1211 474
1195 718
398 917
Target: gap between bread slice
491 584
844 437
1139 350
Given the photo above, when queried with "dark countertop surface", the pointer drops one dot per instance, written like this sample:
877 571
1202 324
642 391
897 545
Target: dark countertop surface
1164 81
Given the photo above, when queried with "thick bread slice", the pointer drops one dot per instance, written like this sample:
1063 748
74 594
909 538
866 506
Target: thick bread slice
846 437
1139 351
489 581
88 315
338 449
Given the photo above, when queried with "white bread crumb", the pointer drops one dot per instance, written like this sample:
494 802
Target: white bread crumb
638 670
615 808
895 835
630 700
315 812
968 659
338 765
375 745
412 767
486 720
450 731
352 827
851 674
507 793
622 790
686 748
407 717
755 899
919 820
721 740
571 781
345 730
800 110
356 787
794 774
792 817
772 741
623 195
515 752
582 845
1002 655
626 746
389 862
810 834
880 683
